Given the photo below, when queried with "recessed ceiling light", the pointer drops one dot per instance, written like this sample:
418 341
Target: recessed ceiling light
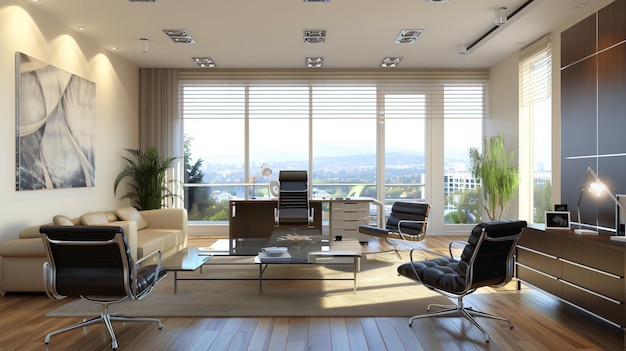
314 62
391 62
408 36
316 0
314 36
142 0
438 0
179 36
579 6
81 28
204 62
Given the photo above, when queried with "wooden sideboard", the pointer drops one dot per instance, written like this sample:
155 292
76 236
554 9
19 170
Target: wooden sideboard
585 270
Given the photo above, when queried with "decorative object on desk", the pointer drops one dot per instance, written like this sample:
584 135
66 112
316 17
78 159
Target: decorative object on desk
498 177
596 187
149 186
620 216
265 172
274 188
557 219
560 207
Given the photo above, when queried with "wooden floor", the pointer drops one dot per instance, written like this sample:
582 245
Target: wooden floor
540 323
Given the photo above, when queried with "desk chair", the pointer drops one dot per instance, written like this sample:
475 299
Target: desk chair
293 200
94 263
486 260
408 221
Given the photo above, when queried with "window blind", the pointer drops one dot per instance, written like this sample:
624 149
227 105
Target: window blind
296 94
535 72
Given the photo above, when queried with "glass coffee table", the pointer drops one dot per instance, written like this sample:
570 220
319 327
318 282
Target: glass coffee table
307 246
186 260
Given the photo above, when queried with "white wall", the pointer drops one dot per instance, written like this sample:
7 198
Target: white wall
23 28
504 111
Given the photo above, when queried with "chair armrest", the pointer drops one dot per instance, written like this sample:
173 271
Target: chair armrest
402 221
152 283
49 283
455 245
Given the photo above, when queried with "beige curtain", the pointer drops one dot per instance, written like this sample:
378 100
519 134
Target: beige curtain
159 123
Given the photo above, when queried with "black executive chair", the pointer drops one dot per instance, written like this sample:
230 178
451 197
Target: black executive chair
486 260
293 200
94 263
408 221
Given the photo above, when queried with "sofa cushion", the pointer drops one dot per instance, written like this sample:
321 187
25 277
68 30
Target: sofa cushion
150 240
131 214
94 218
62 220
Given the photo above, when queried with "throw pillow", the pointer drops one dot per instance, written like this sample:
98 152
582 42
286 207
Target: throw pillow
94 218
131 214
62 220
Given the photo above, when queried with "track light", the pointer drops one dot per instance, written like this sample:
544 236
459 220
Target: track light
501 16
143 45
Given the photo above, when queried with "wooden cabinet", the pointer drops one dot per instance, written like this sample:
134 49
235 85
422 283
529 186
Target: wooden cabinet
586 271
346 216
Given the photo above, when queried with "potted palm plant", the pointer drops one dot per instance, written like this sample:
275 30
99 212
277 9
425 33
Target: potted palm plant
148 174
498 178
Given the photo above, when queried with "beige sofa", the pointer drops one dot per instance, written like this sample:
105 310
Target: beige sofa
21 259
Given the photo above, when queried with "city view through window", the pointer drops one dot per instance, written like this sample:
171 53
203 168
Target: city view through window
342 135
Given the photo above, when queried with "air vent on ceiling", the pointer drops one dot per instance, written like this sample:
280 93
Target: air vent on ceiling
314 36
408 36
179 36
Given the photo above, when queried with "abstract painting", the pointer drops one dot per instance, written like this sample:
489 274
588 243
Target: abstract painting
55 126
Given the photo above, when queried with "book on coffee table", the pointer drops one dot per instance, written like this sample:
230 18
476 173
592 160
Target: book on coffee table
274 254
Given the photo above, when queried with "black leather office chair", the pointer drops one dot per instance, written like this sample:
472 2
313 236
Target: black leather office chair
94 263
486 260
293 200
408 221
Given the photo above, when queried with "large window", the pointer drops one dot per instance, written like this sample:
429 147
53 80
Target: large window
536 129
355 137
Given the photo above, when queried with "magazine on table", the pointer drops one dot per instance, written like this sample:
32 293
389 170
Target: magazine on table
274 253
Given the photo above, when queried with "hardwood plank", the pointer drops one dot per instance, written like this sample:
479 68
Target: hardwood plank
339 334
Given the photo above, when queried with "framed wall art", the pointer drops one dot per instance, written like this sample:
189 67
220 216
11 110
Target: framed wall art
55 124
557 220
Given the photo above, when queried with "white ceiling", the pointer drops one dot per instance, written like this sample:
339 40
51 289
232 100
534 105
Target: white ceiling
256 34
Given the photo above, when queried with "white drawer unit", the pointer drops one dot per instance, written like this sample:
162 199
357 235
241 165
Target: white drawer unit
346 216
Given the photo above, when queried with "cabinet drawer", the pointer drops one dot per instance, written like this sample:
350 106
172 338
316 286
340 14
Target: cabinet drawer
539 261
595 303
603 283
350 205
349 215
601 257
539 279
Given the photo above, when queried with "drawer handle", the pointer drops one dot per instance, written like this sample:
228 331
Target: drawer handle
590 268
537 252
537 271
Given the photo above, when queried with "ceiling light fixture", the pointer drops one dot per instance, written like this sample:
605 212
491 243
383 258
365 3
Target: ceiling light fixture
142 0
204 62
143 45
512 17
180 36
391 61
314 62
314 36
316 0
408 36
501 16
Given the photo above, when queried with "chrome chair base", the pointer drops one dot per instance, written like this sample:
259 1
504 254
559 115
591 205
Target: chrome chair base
458 310
105 317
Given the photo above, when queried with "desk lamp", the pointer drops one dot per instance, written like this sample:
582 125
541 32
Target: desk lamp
265 172
596 188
